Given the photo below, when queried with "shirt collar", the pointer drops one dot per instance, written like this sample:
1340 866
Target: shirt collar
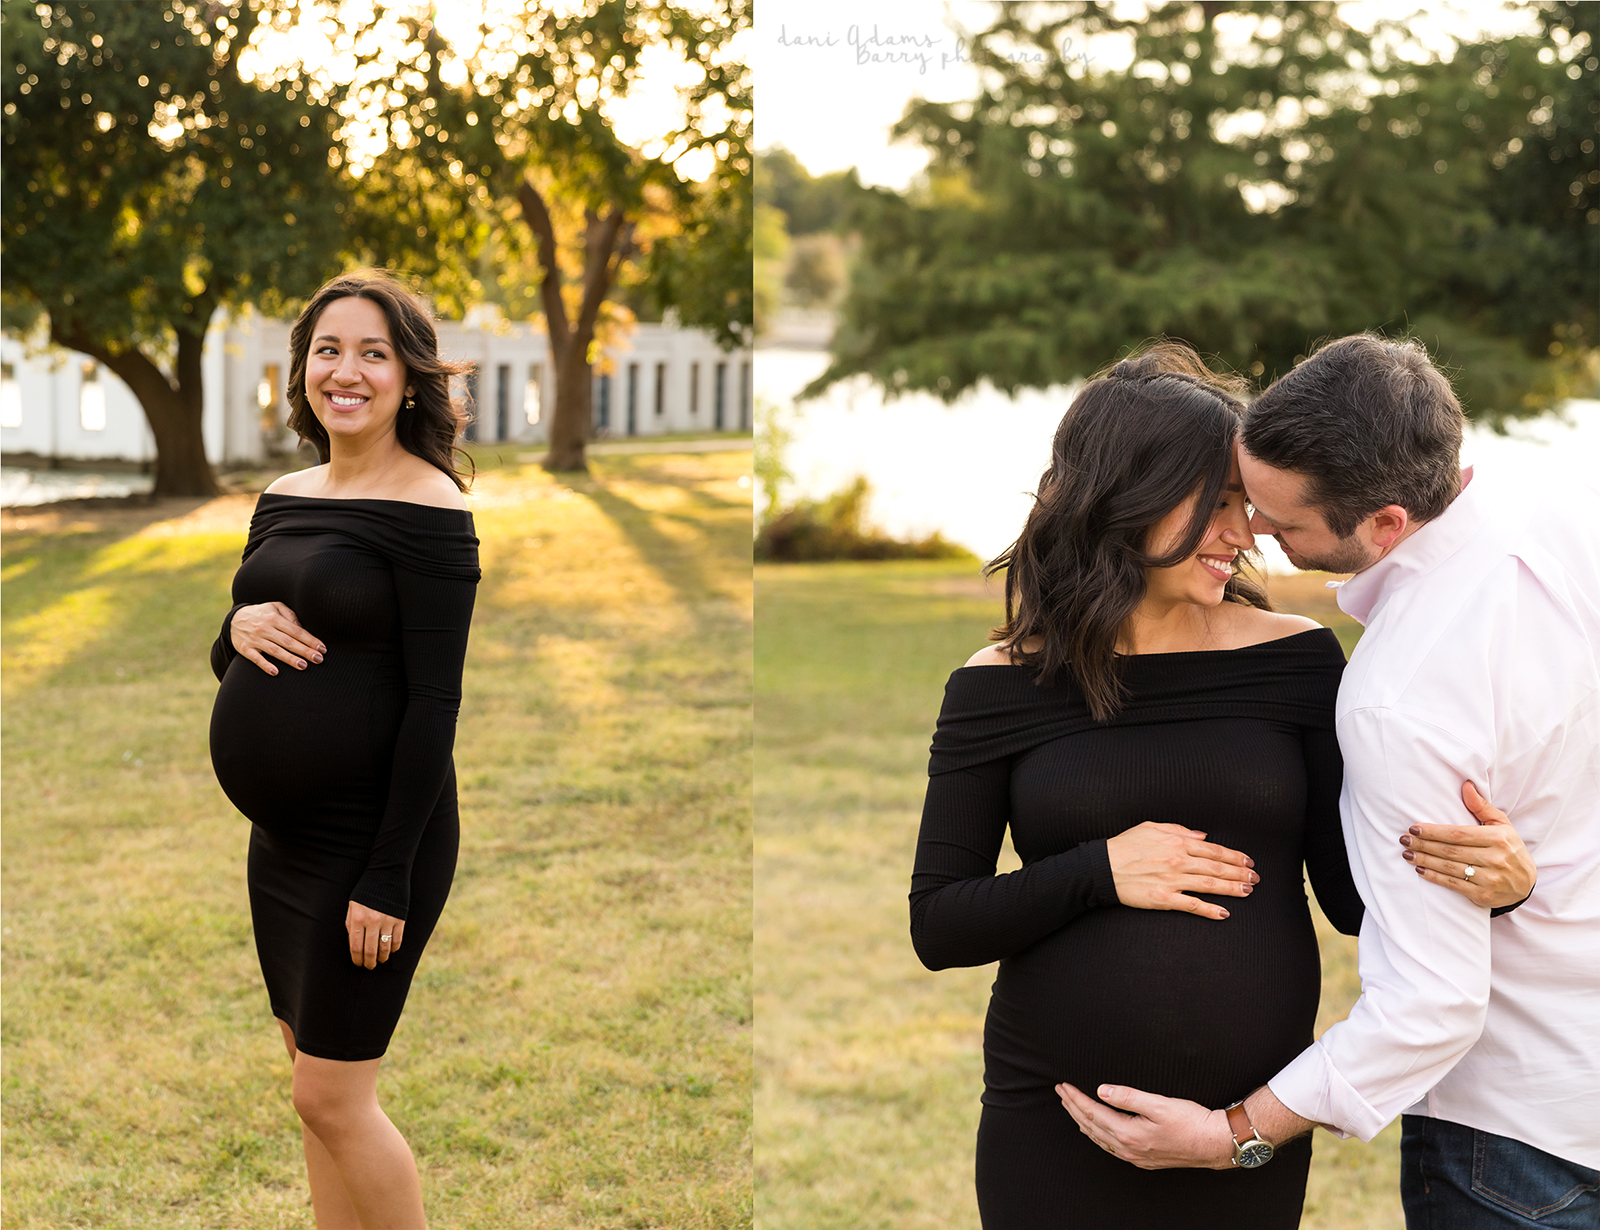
1422 551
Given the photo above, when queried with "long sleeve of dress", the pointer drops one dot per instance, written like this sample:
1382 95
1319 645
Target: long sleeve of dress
435 617
1327 863
962 914
222 651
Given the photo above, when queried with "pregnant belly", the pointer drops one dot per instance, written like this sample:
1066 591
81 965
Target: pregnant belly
309 749
1158 1000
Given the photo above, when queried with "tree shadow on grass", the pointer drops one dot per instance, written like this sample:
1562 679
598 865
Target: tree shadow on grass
85 603
678 565
656 468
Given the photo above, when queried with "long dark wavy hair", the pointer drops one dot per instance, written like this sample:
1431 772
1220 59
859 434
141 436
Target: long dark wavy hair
430 427
1138 440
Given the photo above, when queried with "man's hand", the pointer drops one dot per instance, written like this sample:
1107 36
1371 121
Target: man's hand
1503 872
1157 1134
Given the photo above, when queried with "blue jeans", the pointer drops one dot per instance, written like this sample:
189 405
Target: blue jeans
1458 1178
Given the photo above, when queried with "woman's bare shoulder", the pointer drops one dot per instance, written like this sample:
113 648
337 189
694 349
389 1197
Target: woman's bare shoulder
424 483
298 482
991 655
1252 626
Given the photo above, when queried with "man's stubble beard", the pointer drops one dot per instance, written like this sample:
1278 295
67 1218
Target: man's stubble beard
1350 556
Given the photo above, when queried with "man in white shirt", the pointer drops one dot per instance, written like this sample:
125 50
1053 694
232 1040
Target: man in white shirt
1481 663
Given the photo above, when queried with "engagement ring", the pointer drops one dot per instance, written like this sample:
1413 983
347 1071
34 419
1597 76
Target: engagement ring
1471 871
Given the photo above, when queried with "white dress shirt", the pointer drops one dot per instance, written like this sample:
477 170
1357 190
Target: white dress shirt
1479 663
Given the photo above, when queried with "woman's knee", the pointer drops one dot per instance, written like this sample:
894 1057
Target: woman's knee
330 1095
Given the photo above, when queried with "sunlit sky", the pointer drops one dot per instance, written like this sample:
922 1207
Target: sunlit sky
644 118
830 82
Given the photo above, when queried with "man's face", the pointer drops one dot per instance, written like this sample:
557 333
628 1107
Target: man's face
1277 498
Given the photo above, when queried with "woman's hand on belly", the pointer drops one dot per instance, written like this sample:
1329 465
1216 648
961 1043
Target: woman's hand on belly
374 935
271 628
1156 867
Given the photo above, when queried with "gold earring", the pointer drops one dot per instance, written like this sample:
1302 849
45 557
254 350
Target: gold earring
410 404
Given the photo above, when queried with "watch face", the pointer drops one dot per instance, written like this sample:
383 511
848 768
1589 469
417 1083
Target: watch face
1255 1153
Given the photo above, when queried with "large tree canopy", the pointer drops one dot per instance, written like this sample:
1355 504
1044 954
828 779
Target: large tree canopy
1260 177
146 184
810 203
501 164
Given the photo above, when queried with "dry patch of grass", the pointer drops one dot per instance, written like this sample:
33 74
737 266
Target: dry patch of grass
576 1051
868 1067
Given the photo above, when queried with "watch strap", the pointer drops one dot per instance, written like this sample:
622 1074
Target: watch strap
1250 1148
1239 1124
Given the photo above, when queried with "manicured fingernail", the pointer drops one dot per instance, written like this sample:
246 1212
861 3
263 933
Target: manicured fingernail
1254 878
1409 857
316 657
1419 870
1249 862
1415 831
1405 839
1222 913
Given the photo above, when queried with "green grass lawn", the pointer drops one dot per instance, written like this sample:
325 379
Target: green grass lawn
576 1050
868 1067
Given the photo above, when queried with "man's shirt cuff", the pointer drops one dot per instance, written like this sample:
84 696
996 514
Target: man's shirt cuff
1312 1087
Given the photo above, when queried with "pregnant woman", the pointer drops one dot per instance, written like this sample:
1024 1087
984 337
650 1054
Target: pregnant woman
1161 745
341 667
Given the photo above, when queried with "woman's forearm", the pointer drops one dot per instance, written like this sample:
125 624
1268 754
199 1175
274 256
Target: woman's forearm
986 918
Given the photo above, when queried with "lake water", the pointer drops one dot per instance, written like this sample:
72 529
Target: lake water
967 470
21 487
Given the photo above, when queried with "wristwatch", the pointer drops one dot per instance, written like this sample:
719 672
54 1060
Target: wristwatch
1249 1150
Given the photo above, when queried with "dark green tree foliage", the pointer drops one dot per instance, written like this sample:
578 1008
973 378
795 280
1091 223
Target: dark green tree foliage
519 161
810 203
816 270
704 271
146 185
1309 186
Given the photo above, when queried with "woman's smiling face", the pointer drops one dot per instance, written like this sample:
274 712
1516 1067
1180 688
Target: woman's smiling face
1202 577
354 380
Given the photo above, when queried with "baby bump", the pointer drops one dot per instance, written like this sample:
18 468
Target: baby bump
311 746
1159 1000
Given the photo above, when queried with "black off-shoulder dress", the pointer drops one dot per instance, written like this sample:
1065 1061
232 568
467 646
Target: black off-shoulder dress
1238 744
345 768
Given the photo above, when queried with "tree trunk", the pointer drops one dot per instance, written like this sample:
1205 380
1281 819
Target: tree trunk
607 240
569 424
173 410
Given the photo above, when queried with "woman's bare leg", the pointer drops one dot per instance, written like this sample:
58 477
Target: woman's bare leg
338 1103
330 1203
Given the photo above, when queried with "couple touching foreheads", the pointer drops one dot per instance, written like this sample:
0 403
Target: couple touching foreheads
1168 753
